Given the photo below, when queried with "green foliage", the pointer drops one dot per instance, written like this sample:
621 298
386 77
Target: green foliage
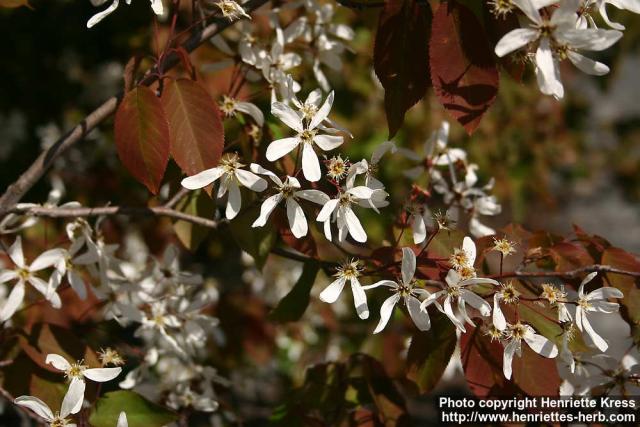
195 203
140 412
258 241
430 352
293 305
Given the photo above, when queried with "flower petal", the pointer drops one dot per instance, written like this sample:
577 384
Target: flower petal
58 362
13 301
515 40
408 265
541 345
36 405
281 147
202 179
72 402
331 293
102 375
297 220
266 208
234 201
288 116
328 142
354 226
419 317
251 180
310 164
385 311
322 113
359 299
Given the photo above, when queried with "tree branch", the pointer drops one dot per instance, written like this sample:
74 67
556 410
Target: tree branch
30 177
57 212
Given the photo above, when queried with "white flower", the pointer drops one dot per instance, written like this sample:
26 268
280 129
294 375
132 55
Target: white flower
557 38
77 373
59 419
508 294
435 152
122 420
231 10
231 177
230 106
24 273
456 290
340 210
515 334
305 123
587 21
369 169
156 6
274 65
348 272
289 190
595 301
407 290
67 265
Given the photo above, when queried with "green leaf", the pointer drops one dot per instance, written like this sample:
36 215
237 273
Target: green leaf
140 412
257 242
293 305
196 203
142 137
430 352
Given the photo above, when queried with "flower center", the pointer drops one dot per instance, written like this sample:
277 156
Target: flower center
306 136
501 8
228 106
346 199
349 270
230 163
76 370
517 331
309 110
24 273
584 303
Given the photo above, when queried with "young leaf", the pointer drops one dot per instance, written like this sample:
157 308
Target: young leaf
430 353
142 136
293 305
463 68
195 125
140 412
400 57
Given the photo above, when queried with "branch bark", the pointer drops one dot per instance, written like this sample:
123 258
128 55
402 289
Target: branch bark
570 274
32 175
56 212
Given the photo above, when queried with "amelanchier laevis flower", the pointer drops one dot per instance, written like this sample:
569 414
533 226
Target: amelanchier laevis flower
348 272
77 373
307 128
24 273
231 10
231 106
156 6
456 290
290 191
41 409
515 334
340 210
231 178
595 301
557 38
405 289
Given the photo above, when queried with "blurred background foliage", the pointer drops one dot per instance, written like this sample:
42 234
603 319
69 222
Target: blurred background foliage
555 164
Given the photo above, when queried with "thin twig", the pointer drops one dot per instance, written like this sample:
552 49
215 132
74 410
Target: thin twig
59 212
28 179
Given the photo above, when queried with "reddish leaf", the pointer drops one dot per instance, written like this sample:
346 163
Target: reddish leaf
195 125
400 57
535 375
12 4
142 137
463 68
570 255
482 362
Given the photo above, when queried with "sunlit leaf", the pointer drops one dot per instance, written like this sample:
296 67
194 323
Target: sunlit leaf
463 69
195 126
142 136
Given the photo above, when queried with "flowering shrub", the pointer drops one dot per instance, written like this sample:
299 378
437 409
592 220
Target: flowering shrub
253 203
